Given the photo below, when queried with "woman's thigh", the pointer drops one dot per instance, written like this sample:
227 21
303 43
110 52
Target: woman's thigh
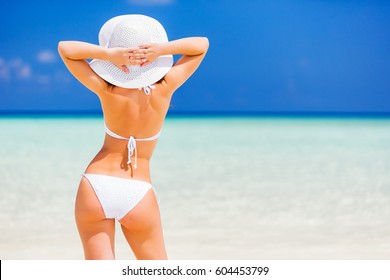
143 230
96 232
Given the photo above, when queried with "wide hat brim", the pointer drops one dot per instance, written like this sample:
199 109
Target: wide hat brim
138 76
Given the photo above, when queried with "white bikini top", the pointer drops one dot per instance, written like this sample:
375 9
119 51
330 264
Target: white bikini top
131 144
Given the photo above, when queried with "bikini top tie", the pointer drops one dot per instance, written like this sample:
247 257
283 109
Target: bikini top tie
131 144
147 89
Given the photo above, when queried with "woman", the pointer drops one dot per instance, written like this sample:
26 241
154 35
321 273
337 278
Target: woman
133 54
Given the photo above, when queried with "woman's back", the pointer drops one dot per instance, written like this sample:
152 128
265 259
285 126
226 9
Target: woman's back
116 184
131 112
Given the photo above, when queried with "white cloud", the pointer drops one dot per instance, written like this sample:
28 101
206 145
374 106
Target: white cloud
24 72
150 2
14 68
20 69
46 56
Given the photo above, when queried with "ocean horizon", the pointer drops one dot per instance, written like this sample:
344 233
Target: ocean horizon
252 114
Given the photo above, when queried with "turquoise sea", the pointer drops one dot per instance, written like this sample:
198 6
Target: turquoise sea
228 187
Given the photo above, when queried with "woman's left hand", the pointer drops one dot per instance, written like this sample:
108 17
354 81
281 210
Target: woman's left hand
125 56
147 53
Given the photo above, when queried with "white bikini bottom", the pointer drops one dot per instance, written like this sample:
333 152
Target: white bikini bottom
118 196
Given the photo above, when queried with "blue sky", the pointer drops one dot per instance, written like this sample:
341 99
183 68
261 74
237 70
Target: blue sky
264 56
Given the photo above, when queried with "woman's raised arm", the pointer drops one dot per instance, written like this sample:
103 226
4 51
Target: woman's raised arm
75 53
192 49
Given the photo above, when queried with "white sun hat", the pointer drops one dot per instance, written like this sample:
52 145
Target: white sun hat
130 31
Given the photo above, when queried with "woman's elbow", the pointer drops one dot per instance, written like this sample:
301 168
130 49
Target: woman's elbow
63 48
205 44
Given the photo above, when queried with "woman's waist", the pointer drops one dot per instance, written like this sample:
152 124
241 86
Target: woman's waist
120 165
110 158
117 147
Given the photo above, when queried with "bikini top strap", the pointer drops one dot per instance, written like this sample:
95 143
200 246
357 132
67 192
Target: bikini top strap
113 134
131 144
154 137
